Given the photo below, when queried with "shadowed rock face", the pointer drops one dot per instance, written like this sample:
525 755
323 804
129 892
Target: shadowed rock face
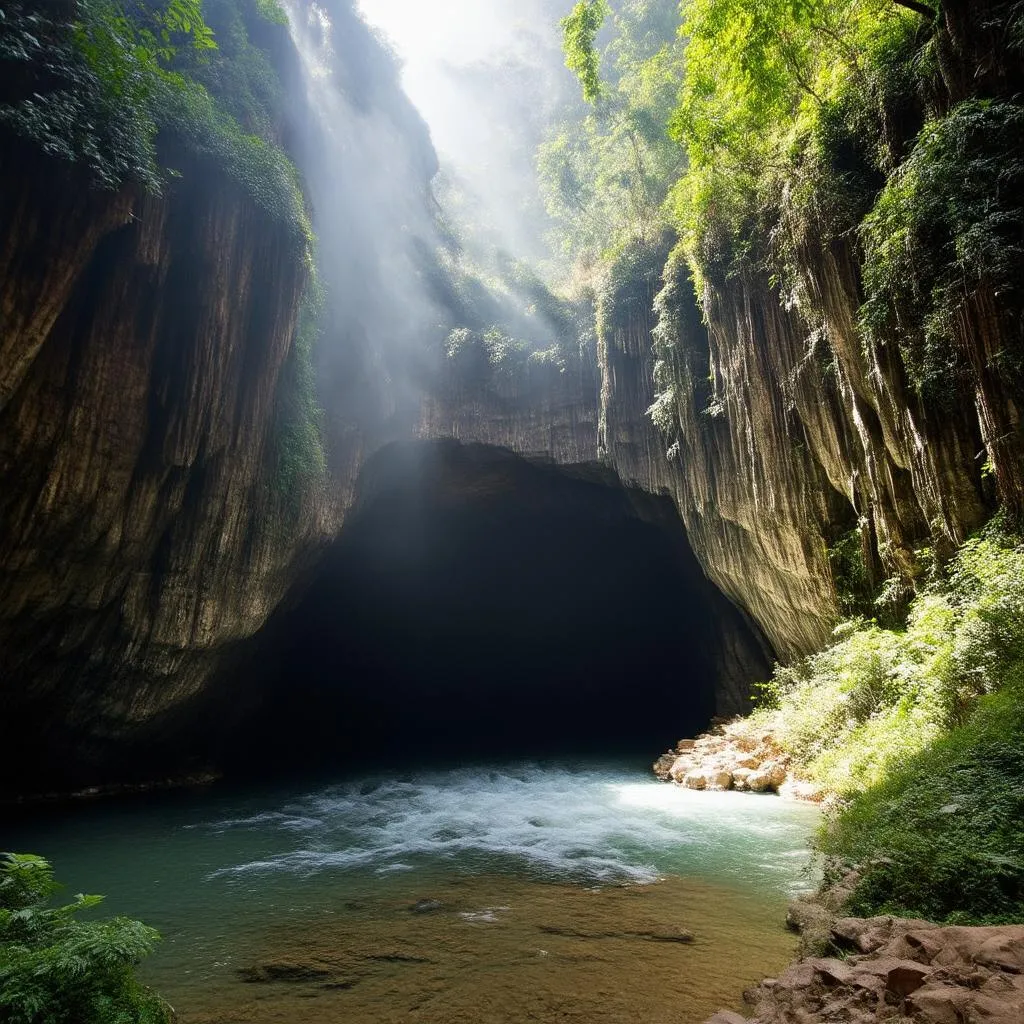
140 528
480 603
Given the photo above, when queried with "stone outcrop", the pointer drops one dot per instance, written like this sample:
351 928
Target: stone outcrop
735 754
896 969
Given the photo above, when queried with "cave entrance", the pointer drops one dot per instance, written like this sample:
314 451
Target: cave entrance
478 603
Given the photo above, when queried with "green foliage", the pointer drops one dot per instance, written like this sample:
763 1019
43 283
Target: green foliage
605 171
632 279
858 710
506 329
57 969
920 729
580 30
240 74
80 90
301 452
947 222
778 97
940 837
272 11
100 90
259 167
849 573
493 359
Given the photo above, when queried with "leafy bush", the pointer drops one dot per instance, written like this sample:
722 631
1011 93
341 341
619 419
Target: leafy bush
920 730
57 969
941 836
860 709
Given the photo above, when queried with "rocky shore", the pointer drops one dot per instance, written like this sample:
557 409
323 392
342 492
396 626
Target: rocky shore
854 970
734 754
892 969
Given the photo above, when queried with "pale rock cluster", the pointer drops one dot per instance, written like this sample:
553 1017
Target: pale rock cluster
734 755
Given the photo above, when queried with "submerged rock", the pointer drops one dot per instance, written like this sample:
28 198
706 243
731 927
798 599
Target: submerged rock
426 906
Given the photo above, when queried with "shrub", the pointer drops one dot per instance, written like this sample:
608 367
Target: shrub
875 698
920 730
941 836
57 969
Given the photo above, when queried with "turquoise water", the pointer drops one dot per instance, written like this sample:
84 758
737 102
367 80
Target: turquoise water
224 875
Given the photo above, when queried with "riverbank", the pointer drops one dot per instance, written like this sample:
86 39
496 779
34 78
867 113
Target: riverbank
886 968
853 969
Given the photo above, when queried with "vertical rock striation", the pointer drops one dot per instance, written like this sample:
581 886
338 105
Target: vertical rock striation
142 530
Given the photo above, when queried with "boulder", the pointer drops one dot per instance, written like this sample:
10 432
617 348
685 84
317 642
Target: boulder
905 977
940 1004
694 780
680 767
717 779
727 1017
767 778
663 766
832 971
684 745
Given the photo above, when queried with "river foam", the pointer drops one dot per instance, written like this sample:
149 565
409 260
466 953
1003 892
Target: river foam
563 823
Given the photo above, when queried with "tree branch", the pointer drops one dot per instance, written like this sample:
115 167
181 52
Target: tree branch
918 8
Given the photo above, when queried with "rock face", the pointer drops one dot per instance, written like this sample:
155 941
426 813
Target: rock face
785 433
143 344
148 351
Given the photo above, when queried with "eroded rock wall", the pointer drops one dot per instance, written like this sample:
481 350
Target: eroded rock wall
142 529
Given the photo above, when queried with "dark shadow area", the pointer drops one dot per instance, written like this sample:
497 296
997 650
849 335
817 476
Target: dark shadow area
480 604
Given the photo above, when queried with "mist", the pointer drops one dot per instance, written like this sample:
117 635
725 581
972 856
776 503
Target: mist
419 127
487 77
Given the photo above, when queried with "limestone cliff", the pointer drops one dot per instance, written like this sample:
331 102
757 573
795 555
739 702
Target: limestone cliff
794 447
144 341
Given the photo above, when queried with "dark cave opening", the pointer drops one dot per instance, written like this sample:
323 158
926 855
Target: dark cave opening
478 604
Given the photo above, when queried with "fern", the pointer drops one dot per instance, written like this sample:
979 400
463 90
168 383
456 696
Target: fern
56 968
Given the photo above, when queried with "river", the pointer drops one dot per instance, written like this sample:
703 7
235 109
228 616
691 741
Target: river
496 892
